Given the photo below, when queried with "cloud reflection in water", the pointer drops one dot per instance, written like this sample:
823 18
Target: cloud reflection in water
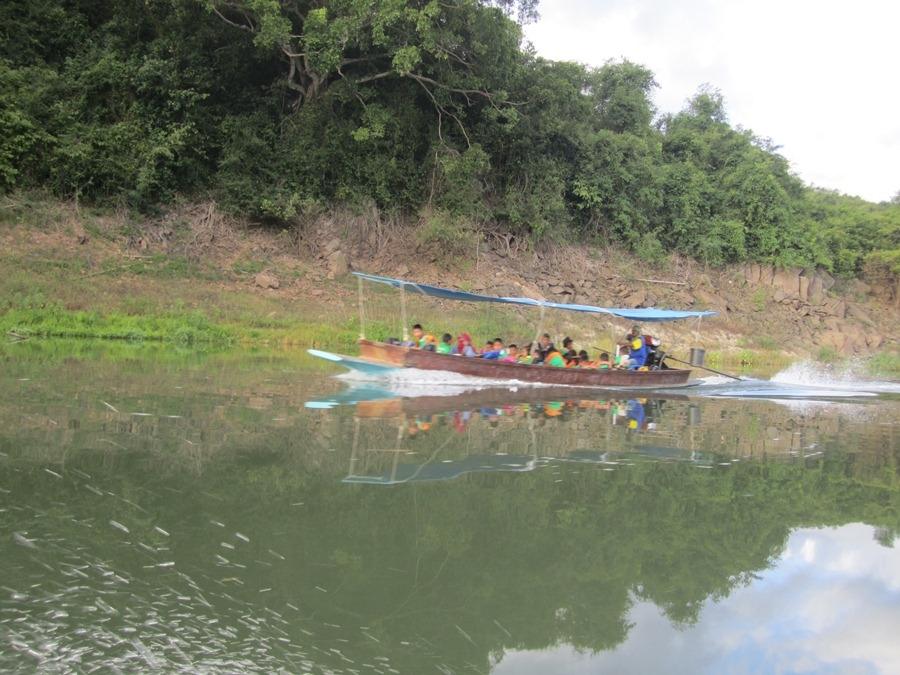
829 604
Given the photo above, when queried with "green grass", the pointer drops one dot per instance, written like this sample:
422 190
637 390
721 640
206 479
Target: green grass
54 321
248 267
828 355
884 364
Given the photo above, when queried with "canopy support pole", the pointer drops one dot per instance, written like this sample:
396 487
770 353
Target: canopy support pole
403 314
362 313
540 329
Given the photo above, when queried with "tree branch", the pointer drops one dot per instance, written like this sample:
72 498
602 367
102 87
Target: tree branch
440 110
242 26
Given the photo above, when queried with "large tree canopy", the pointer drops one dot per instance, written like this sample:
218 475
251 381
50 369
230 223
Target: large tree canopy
278 106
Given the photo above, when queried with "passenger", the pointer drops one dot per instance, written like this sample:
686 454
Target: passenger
555 359
584 361
512 354
499 346
603 363
464 345
569 353
446 344
494 350
622 357
544 347
525 354
423 340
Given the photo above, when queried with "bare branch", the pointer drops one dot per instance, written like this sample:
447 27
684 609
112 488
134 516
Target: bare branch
377 76
440 109
245 27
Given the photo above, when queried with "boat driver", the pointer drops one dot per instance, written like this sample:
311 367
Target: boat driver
637 356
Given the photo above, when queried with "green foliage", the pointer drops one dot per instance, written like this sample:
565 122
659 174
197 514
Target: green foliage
884 364
53 321
759 299
828 355
282 108
440 231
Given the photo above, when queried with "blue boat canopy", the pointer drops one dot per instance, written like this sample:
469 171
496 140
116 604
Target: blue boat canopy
643 314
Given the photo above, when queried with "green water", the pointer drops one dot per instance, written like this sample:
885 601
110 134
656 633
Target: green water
166 510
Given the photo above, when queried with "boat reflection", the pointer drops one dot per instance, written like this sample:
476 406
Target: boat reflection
526 411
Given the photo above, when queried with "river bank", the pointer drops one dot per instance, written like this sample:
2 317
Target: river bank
195 275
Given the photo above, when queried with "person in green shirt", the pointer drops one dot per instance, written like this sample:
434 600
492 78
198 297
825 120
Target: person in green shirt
555 359
445 346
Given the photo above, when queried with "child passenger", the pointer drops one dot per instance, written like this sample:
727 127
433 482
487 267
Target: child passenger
464 345
512 354
445 346
604 363
494 349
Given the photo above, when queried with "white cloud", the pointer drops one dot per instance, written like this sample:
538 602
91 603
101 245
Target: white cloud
817 76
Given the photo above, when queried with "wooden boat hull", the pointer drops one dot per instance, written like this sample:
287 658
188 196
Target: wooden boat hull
405 357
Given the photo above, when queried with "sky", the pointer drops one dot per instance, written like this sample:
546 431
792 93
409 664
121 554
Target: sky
821 78
830 604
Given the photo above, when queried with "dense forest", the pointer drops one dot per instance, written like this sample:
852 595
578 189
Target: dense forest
432 110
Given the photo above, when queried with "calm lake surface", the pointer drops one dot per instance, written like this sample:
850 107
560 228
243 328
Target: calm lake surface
174 510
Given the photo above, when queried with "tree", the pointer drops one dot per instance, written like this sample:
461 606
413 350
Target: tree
448 49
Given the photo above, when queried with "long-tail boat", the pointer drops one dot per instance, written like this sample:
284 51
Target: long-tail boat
382 358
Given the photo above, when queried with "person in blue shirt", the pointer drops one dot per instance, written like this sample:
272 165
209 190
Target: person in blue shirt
494 350
638 350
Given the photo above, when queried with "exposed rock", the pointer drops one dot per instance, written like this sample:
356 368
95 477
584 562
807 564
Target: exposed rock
266 280
636 299
332 246
779 295
766 275
338 264
402 271
706 300
833 338
836 307
859 288
787 280
874 340
804 287
752 273
815 294
854 311
855 338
